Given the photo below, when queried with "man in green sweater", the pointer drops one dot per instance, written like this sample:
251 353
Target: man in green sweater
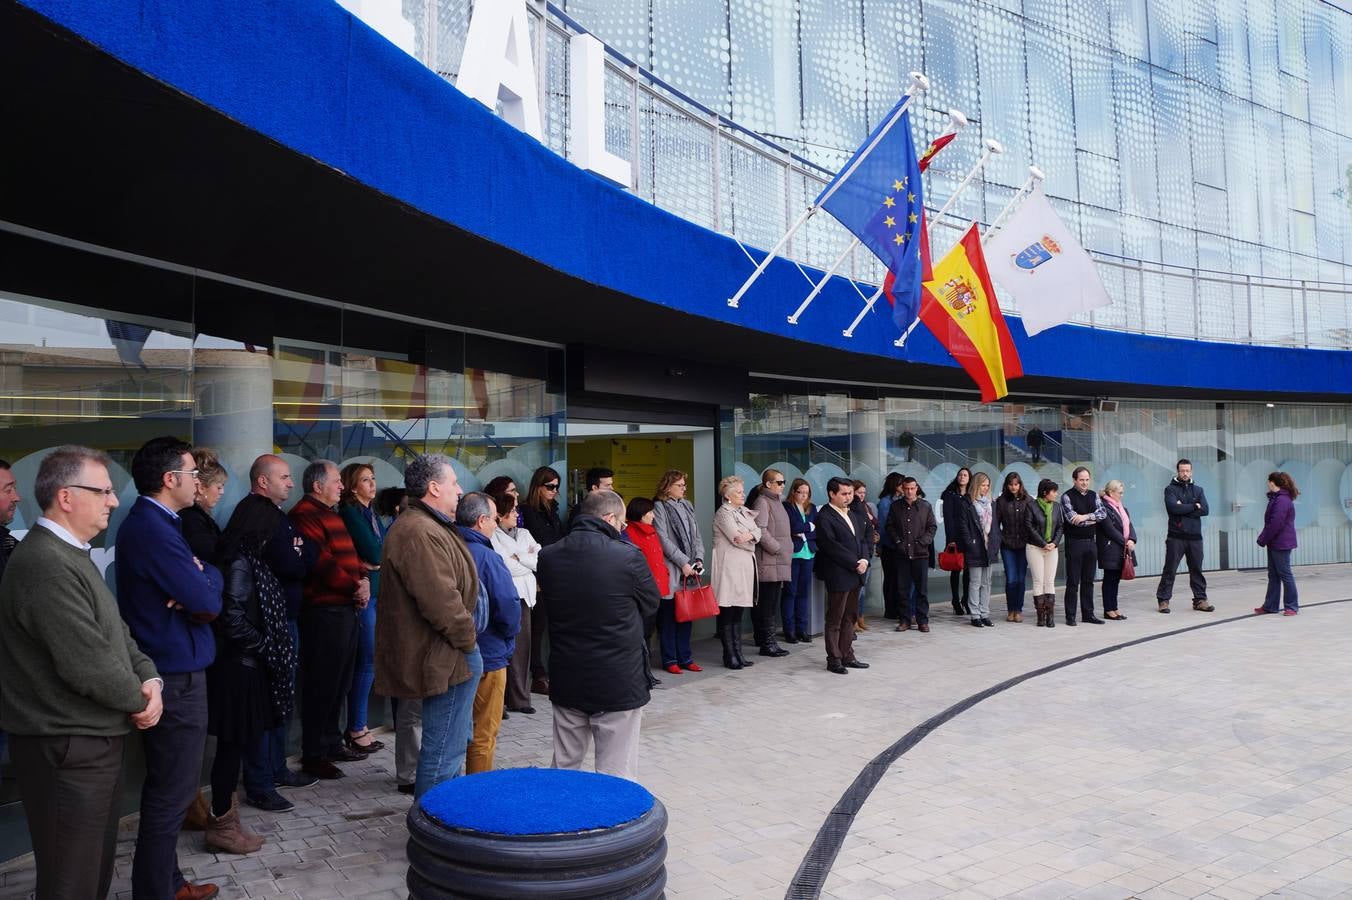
75 681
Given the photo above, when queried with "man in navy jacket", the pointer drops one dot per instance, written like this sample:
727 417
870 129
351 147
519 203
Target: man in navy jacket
476 520
168 598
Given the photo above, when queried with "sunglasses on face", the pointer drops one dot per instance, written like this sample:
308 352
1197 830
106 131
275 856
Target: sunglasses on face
779 482
552 487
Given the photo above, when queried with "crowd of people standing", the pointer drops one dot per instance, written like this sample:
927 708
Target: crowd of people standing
459 607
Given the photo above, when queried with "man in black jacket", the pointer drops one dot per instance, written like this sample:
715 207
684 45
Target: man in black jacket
1185 505
844 544
910 528
1083 511
601 595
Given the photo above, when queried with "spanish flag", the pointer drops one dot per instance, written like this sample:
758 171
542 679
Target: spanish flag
961 309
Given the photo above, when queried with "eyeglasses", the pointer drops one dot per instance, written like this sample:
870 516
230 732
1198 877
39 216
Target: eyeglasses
551 487
191 473
106 492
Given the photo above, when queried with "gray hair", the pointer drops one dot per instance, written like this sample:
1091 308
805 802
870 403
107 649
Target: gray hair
423 471
602 503
61 468
317 471
472 506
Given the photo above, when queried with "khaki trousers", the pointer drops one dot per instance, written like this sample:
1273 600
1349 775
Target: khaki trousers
614 733
487 721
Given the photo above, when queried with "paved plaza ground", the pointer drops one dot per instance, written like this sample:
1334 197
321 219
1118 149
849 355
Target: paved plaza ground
1213 763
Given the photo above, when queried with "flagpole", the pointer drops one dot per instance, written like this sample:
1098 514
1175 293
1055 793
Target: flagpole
868 308
1035 175
992 147
919 84
957 121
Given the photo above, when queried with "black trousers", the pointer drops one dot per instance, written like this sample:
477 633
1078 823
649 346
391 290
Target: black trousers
539 625
1112 578
913 585
71 788
1081 563
328 651
1175 550
767 606
966 577
173 750
892 602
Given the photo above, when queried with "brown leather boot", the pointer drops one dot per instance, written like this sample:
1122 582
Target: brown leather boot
225 833
198 814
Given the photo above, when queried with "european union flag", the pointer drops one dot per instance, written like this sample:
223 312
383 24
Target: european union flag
878 197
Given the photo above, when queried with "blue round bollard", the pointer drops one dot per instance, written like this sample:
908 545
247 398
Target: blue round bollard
537 833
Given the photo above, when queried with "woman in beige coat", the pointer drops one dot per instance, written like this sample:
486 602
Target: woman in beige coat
734 566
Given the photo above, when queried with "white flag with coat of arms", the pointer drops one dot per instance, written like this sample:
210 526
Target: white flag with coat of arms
1037 260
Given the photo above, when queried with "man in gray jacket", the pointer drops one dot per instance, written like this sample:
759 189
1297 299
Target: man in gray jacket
75 681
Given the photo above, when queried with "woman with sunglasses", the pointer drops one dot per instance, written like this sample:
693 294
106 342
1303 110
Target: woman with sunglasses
540 516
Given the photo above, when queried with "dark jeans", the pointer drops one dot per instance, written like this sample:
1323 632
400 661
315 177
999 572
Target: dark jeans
265 756
1280 576
71 788
173 751
842 608
767 604
363 669
1016 576
1176 549
672 635
795 606
329 635
913 582
891 596
1111 579
1081 564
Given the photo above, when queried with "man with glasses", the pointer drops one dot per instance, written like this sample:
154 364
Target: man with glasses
75 681
168 598
602 594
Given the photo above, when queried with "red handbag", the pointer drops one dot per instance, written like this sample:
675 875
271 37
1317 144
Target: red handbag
695 603
951 559
1128 566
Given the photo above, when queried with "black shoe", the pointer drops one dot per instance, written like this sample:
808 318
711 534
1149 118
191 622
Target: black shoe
346 754
836 668
976 623
788 638
804 639
1092 620
296 780
988 623
855 664
528 710
505 716
404 788
322 768
273 802
1070 620
957 608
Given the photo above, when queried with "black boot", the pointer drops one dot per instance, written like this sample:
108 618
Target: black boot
725 636
768 645
735 632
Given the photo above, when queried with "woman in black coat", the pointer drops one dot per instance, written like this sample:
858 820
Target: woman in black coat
1116 542
540 516
199 525
950 500
250 684
843 549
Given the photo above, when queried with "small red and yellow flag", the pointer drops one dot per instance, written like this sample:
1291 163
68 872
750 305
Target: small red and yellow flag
961 309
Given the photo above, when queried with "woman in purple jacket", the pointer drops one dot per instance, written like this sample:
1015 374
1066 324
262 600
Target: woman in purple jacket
1279 537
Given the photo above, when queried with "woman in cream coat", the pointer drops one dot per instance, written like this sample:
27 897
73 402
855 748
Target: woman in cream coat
520 551
734 571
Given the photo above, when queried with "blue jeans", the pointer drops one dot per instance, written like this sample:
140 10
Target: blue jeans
795 606
364 672
265 757
1016 576
448 725
672 635
1280 576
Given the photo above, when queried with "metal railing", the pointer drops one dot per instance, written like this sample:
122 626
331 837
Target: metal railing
702 166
